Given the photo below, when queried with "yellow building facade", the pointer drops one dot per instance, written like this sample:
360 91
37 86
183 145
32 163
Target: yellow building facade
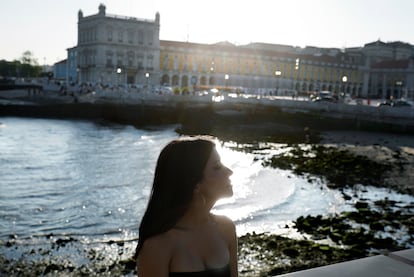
253 68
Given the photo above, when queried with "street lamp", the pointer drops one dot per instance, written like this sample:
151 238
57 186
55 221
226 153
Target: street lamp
295 84
211 80
342 94
344 80
399 85
147 77
78 75
278 73
227 77
118 71
297 63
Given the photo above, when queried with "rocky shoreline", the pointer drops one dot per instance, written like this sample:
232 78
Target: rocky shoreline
397 150
373 228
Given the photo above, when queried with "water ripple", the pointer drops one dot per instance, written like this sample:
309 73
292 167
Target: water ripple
86 179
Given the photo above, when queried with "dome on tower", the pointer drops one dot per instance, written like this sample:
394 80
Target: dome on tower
102 9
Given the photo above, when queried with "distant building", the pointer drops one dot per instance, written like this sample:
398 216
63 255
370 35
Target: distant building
66 70
265 67
392 78
60 70
72 68
377 70
378 51
115 49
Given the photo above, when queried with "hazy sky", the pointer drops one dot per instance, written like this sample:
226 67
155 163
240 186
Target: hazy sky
48 27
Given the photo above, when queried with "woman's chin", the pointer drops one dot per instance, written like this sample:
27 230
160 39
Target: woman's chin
229 191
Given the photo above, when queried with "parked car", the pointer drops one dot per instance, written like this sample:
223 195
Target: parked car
395 103
324 99
385 103
325 96
401 103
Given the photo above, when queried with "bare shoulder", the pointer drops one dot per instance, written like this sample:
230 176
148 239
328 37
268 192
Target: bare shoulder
225 224
156 242
160 244
228 229
155 256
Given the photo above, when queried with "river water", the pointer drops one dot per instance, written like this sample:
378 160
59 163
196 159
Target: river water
91 181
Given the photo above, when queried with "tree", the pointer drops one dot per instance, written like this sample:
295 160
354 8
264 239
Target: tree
18 69
27 66
28 58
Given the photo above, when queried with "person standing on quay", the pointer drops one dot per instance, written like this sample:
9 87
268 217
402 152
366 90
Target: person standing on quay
178 235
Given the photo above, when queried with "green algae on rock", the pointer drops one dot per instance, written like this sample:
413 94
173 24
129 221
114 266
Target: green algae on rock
340 167
269 254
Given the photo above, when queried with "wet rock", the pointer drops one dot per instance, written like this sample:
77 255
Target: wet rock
61 242
52 268
340 168
361 205
293 253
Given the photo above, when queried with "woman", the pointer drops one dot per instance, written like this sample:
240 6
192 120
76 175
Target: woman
178 235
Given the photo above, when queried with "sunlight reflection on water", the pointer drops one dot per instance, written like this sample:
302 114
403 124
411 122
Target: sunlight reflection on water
85 179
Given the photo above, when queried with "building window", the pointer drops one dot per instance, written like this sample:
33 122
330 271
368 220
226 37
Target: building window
93 58
120 36
165 63
130 36
175 63
131 59
120 58
82 36
185 63
195 65
140 59
109 34
150 60
109 59
140 37
150 37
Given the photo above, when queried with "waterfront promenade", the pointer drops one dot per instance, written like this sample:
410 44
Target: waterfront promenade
135 107
396 264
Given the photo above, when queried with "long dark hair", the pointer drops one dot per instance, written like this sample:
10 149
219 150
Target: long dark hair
179 168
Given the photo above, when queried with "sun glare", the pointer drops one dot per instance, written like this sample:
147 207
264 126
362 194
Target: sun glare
243 168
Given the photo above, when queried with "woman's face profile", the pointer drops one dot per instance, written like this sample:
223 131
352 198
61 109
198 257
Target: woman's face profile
216 183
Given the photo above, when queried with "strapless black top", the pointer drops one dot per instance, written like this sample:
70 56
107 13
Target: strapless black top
214 272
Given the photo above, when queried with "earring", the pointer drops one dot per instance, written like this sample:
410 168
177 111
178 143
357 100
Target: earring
203 199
